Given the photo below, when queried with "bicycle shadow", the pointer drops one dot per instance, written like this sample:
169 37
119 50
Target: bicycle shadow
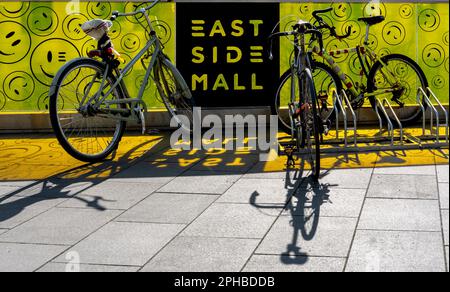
305 196
67 185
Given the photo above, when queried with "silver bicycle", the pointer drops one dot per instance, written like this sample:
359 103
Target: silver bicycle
90 104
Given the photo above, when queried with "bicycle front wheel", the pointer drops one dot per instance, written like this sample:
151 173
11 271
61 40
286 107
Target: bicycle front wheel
310 121
79 128
408 77
175 94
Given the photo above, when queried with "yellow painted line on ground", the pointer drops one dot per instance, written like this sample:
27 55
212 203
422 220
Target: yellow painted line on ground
40 158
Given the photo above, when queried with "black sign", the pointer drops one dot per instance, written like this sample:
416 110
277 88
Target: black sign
222 52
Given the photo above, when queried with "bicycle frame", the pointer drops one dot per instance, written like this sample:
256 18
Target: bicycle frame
364 53
133 102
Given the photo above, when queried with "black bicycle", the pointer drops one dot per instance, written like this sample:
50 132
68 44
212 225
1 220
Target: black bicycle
306 125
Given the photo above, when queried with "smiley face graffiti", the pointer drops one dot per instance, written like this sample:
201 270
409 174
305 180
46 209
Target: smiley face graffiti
355 65
406 11
373 42
18 86
115 30
48 57
131 7
101 10
341 11
445 39
14 9
337 45
446 65
374 9
438 82
394 33
42 21
72 26
15 42
163 31
43 102
305 9
429 20
384 52
88 46
130 43
355 29
433 55
2 101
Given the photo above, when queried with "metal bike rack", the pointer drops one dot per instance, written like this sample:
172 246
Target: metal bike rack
396 138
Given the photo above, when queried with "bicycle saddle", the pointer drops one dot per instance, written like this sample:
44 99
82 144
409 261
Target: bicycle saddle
372 20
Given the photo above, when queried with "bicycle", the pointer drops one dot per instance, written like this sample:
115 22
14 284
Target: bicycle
89 101
306 125
393 76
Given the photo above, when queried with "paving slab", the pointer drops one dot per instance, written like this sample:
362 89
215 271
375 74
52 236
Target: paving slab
447 256
345 178
54 189
5 190
410 170
396 251
258 191
258 171
324 237
445 225
233 220
402 215
3 231
201 182
151 173
26 257
403 187
444 195
227 163
443 173
82 268
17 183
112 195
17 210
168 208
199 254
329 202
123 243
298 264
59 226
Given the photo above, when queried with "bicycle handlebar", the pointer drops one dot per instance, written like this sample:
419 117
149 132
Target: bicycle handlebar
315 32
117 14
332 29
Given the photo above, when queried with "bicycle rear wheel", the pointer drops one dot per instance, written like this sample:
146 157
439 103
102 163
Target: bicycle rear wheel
78 127
311 121
175 94
409 76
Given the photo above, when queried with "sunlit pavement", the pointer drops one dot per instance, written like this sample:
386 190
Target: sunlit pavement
151 208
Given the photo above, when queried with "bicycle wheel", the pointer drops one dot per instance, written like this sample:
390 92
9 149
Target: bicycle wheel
310 121
80 129
409 77
325 82
175 94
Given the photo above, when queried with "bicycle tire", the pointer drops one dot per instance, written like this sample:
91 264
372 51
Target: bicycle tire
331 114
54 95
406 119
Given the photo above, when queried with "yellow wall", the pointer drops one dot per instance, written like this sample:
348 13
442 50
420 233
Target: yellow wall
42 36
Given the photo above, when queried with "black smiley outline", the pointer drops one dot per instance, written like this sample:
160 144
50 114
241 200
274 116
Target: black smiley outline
136 6
373 41
16 75
168 35
384 52
126 47
67 22
44 96
42 31
445 38
2 100
29 46
90 10
43 71
354 63
438 82
406 15
396 26
355 26
305 9
338 44
93 46
20 12
433 48
382 9
340 17
436 19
